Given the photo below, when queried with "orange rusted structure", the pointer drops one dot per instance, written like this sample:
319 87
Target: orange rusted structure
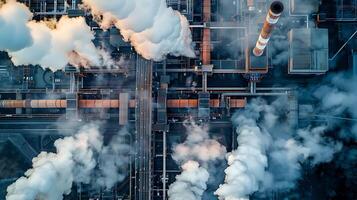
182 103
214 103
206 40
47 103
103 103
33 104
12 104
99 103
237 103
276 8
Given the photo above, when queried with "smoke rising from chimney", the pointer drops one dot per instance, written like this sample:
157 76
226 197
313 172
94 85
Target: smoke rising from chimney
76 159
52 174
270 152
194 155
190 184
154 29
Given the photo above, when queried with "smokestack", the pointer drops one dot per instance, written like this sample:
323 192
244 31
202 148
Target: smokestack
276 8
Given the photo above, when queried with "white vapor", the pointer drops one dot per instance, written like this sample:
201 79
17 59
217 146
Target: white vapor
76 159
269 152
52 174
14 33
247 164
190 184
338 96
29 42
154 29
198 148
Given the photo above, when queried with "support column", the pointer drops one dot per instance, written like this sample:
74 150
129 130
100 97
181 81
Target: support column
18 97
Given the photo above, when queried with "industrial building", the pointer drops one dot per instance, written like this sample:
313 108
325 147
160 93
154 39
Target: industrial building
154 99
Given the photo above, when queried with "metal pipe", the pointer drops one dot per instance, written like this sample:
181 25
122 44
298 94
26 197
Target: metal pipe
204 82
253 87
55 6
74 4
131 170
276 8
255 94
242 94
104 104
164 154
343 46
206 40
229 89
215 71
33 103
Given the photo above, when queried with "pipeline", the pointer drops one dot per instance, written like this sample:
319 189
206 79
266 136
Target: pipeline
106 104
276 8
255 94
206 40
33 104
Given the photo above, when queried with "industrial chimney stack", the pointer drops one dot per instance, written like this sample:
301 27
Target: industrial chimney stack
276 8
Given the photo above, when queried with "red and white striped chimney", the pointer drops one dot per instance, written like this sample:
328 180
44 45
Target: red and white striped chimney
276 8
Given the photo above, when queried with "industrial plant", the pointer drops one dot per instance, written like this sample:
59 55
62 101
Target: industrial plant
178 99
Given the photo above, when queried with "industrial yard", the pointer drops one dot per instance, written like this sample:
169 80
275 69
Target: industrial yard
178 99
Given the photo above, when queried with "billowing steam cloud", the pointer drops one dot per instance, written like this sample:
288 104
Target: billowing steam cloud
190 184
152 28
269 153
14 33
30 42
53 174
247 164
338 96
198 146
197 149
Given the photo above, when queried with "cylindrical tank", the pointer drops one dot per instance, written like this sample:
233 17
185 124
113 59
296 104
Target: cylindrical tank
276 8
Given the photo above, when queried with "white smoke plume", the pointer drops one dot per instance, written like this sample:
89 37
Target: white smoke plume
36 43
52 174
337 97
190 184
14 33
198 148
269 153
247 164
154 29
76 158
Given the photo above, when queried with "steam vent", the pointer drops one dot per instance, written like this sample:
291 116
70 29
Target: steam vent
178 99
